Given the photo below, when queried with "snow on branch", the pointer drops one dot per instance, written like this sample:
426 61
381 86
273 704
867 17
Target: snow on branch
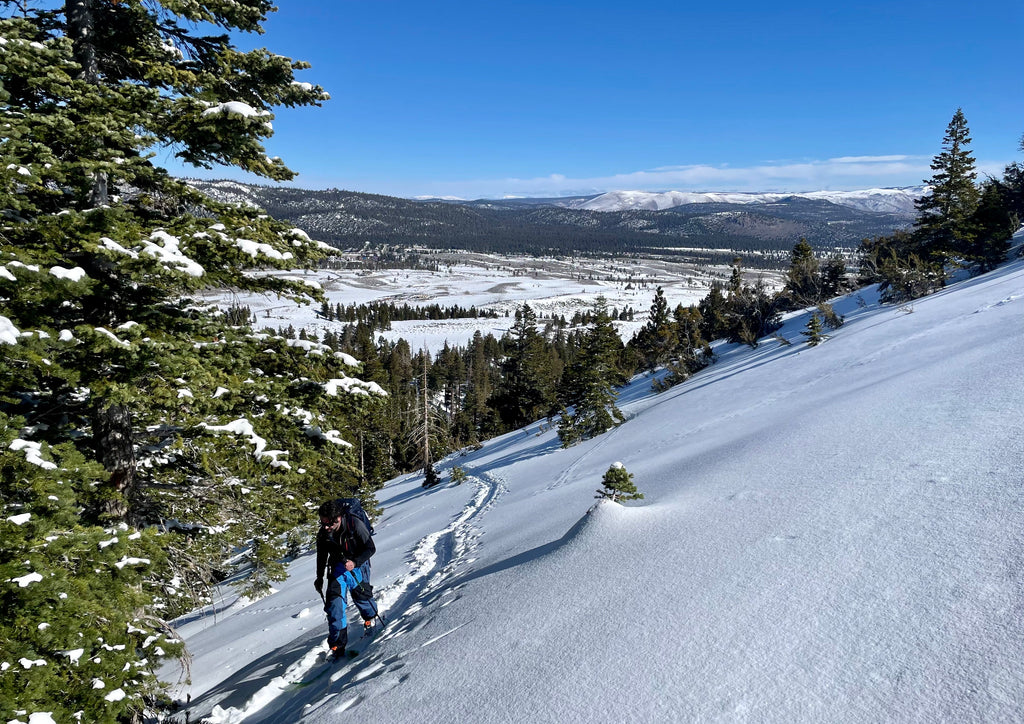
252 248
353 386
244 428
33 453
241 427
26 580
168 253
76 274
113 337
334 436
8 332
235 108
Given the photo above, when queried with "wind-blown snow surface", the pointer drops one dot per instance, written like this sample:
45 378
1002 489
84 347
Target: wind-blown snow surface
829 534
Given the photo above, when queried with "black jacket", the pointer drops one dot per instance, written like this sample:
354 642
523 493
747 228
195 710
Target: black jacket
353 542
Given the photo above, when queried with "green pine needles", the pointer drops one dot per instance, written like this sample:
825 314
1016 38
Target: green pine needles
618 485
147 437
960 224
591 381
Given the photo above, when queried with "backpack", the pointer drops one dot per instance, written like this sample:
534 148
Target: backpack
352 506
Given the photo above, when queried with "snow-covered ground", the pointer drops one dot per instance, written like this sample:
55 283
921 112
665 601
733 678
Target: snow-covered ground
553 287
829 534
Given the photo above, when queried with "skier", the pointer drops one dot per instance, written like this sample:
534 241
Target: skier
343 549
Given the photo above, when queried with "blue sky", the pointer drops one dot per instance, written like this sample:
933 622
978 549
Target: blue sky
476 99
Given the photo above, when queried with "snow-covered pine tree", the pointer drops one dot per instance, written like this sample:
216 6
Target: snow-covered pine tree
135 412
78 632
618 485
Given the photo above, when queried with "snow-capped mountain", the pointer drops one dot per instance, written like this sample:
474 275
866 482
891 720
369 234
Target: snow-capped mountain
614 223
893 201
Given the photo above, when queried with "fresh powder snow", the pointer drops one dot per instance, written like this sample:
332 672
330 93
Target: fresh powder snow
829 534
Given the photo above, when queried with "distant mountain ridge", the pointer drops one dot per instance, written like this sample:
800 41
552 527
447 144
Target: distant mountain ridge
883 200
709 228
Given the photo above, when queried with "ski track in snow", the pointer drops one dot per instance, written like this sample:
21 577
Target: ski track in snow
433 560
569 474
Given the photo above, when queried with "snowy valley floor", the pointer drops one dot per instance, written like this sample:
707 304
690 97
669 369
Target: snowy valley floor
829 534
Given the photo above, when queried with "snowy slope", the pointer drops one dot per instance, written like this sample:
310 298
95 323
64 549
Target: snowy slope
894 200
829 534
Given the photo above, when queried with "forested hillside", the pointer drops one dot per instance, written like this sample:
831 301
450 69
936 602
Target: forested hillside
698 232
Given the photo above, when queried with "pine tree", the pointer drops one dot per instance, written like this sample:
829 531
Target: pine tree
478 418
430 476
427 431
1012 186
618 485
894 262
830 317
527 389
592 378
149 406
814 332
994 224
75 602
803 283
752 311
944 227
833 277
714 309
656 340
809 281
691 353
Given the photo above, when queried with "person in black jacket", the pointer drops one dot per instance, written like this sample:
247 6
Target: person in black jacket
342 544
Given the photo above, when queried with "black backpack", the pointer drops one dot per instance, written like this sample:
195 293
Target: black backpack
353 507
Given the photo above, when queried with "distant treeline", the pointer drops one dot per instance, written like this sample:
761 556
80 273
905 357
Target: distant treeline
380 315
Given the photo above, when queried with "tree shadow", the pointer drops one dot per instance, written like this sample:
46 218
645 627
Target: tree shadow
236 690
523 558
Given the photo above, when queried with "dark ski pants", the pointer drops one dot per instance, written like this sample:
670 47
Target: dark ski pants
337 614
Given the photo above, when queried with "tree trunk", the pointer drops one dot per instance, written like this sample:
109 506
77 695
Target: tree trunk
426 416
115 448
362 461
81 26
80 29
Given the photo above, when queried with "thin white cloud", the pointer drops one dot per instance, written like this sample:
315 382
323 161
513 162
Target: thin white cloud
872 159
842 173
